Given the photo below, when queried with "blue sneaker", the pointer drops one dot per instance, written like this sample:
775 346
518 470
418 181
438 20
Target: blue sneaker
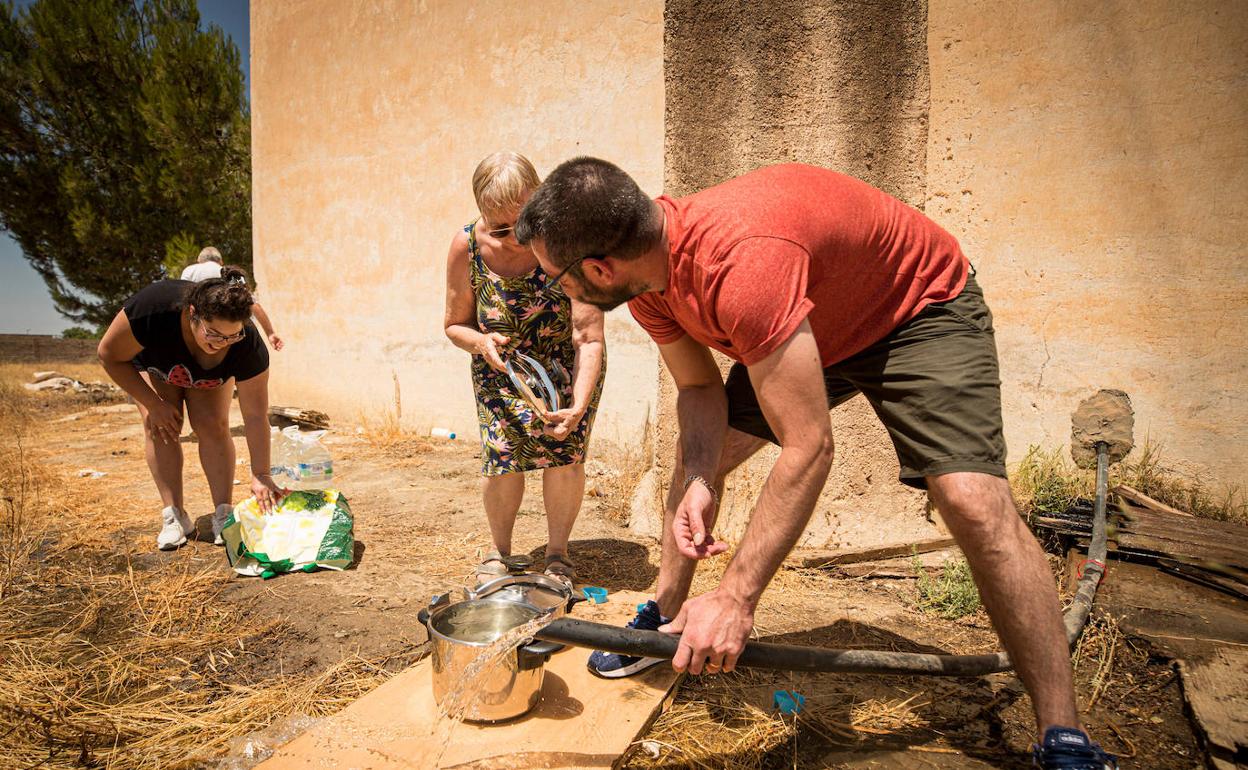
1065 748
614 666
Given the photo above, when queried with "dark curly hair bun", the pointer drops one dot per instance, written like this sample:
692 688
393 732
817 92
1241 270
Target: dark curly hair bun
227 297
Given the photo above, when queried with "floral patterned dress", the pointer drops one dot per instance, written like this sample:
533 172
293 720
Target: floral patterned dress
538 324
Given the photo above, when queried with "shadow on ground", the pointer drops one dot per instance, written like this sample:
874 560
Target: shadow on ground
616 565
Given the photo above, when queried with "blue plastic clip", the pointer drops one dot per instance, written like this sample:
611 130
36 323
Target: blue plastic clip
788 701
595 594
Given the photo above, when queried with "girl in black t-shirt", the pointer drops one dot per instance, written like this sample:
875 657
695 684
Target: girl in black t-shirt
179 343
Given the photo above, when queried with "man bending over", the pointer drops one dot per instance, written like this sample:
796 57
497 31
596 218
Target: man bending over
820 287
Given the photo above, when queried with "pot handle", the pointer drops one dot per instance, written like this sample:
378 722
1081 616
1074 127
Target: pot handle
423 616
535 654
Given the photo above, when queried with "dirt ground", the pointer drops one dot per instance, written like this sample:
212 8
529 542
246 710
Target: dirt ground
420 529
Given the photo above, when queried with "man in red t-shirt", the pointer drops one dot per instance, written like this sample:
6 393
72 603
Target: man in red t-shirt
820 287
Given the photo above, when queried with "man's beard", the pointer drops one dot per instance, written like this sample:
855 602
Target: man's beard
608 300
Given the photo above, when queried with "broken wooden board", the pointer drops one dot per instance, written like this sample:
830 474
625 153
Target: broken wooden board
1206 631
1139 498
1216 687
875 553
1168 610
1142 531
582 720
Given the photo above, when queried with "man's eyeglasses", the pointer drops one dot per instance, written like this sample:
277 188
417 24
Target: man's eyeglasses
217 336
553 282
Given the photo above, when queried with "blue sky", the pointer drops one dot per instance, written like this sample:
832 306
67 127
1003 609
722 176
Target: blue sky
24 302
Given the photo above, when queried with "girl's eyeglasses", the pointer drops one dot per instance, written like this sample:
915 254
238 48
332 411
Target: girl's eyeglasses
217 336
501 232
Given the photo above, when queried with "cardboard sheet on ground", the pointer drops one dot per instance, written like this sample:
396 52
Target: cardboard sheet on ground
582 721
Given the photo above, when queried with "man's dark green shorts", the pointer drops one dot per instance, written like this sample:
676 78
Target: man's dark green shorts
933 381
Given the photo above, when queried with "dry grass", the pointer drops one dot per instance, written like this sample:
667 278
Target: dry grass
1147 473
614 478
727 721
951 594
395 442
446 557
19 373
1047 482
106 663
1098 648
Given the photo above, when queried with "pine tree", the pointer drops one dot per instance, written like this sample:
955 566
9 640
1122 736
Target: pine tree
124 137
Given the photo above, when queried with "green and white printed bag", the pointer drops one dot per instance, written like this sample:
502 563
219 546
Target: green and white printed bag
310 529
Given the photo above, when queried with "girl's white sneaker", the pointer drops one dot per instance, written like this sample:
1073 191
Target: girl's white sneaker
175 526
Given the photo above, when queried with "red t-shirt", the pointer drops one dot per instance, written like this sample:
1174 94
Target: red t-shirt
750 258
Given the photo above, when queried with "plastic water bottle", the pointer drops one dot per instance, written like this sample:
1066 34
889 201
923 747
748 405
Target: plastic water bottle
442 433
313 466
280 447
290 459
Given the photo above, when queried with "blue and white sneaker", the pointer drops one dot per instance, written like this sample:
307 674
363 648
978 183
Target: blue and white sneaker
614 666
1065 748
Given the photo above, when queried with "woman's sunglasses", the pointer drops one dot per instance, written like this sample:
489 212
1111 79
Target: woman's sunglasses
501 232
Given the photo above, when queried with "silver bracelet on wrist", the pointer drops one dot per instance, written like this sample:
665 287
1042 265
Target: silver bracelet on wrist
695 477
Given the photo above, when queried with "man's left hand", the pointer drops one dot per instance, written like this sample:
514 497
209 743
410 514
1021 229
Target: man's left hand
713 630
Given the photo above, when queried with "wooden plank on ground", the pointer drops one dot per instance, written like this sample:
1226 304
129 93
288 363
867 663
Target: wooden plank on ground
582 721
308 418
1139 498
1168 610
1205 630
875 553
1144 531
1216 688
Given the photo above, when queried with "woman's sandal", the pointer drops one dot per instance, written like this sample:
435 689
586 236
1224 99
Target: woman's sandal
492 566
561 568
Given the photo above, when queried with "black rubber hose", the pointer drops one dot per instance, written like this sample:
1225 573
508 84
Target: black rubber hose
652 644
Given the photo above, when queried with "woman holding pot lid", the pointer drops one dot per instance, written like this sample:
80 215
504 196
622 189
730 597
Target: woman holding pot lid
499 302
179 347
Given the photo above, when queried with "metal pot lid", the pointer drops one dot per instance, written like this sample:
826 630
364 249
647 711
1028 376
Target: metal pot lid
542 592
533 383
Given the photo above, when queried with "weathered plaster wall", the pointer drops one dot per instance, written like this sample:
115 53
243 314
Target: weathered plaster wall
1092 157
367 121
839 84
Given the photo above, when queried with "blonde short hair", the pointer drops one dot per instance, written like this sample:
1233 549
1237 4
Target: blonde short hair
503 181
209 253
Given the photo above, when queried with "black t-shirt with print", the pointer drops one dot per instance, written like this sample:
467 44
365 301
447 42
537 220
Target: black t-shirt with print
155 315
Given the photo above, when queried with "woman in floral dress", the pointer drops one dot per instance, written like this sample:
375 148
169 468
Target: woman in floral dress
498 302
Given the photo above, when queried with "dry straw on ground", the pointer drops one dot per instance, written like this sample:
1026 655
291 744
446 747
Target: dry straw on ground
107 660
726 721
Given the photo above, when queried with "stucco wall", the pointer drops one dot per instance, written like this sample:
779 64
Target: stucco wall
838 84
367 121
1092 157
